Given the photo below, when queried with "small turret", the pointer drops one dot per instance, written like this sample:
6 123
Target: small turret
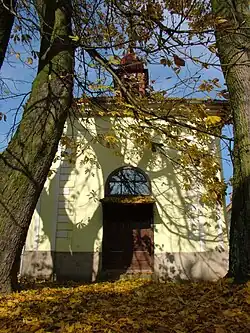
133 74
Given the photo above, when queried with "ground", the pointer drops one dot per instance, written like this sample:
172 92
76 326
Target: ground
128 306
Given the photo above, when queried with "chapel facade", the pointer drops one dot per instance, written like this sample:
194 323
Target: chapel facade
120 208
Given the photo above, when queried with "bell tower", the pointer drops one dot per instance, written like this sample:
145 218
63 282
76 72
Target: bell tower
132 73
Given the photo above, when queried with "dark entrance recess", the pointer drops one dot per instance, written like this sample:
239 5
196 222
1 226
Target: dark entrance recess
128 222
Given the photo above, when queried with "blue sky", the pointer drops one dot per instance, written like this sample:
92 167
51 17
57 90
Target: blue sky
17 76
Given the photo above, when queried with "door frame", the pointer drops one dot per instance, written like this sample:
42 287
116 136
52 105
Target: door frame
108 205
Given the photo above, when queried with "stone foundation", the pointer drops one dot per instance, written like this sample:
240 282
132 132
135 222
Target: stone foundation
86 266
37 264
195 266
60 265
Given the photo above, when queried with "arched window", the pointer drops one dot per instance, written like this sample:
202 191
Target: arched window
127 181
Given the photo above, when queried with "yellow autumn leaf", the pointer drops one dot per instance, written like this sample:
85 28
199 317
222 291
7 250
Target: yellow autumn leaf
128 106
74 38
111 138
220 329
221 20
212 120
114 60
29 61
133 305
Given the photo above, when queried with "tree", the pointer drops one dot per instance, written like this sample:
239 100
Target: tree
233 40
6 23
24 165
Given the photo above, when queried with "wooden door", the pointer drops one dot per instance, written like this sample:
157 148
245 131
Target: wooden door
128 237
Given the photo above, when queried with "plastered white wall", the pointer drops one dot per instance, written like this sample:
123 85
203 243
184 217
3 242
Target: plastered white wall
69 216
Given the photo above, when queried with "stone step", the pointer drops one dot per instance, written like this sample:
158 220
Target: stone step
113 274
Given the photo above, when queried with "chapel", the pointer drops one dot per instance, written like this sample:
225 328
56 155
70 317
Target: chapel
119 207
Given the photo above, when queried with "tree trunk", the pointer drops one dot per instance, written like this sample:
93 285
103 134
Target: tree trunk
6 23
233 42
25 164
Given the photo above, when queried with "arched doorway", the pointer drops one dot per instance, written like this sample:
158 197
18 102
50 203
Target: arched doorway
128 222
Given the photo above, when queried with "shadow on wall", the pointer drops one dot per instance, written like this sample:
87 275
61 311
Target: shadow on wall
64 235
209 265
76 244
197 250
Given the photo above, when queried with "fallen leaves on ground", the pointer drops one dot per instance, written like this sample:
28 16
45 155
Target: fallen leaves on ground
128 306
